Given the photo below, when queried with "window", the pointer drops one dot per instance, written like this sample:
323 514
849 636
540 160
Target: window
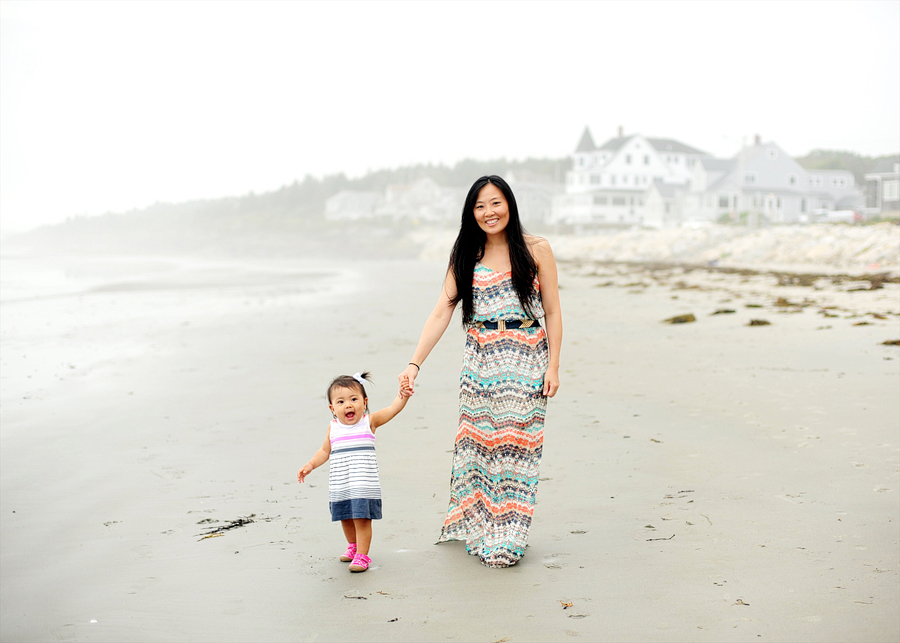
843 181
750 177
646 159
599 200
624 179
890 190
618 200
668 208
723 200
632 200
792 179
640 201
778 203
628 159
802 205
690 162
612 179
834 181
595 179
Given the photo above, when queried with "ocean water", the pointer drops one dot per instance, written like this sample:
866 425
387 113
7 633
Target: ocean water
65 316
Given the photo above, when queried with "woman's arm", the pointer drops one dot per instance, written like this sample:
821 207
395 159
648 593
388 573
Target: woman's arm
319 458
549 280
432 332
385 415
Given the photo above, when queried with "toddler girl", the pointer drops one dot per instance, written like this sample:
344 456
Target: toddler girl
354 493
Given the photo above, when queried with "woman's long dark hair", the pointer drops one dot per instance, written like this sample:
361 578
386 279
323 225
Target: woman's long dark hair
469 248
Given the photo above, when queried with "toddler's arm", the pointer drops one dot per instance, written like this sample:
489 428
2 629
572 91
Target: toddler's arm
319 458
387 414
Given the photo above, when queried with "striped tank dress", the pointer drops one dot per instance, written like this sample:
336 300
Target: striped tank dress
353 487
497 456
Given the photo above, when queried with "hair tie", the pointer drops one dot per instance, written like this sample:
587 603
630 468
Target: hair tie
359 378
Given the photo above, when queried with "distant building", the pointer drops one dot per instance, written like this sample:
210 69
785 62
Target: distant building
883 191
661 183
351 205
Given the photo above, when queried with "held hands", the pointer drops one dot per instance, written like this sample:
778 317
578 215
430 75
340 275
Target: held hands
407 380
304 471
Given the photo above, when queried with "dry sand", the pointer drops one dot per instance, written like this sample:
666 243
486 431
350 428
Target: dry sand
709 481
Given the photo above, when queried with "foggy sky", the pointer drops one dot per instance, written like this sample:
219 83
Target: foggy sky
110 106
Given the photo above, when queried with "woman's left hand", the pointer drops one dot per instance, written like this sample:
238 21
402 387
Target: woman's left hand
551 382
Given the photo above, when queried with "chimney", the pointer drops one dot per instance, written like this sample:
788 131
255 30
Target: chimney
757 140
621 131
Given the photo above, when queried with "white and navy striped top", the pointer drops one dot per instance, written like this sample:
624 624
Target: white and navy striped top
354 469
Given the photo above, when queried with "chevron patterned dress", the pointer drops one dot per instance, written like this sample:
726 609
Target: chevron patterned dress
497 457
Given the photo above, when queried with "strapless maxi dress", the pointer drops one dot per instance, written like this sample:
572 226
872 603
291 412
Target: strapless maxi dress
497 455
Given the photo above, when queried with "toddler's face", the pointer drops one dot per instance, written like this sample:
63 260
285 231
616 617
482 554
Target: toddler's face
347 404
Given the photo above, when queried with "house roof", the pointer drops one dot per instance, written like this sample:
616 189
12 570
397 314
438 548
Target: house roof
717 165
659 144
670 145
587 142
666 190
885 165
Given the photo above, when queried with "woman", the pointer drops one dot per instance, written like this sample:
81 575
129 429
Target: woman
506 282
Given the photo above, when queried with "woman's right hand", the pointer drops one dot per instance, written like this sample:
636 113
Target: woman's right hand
408 377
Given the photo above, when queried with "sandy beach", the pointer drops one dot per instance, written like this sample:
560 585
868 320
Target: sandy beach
704 481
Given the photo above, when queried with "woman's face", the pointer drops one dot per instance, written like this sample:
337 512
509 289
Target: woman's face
491 210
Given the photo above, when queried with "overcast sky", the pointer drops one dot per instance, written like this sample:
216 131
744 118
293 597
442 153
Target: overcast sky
115 105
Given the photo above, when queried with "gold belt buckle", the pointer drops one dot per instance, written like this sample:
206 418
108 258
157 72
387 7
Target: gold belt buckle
501 325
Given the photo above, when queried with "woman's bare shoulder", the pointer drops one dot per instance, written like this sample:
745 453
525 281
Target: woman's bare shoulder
539 246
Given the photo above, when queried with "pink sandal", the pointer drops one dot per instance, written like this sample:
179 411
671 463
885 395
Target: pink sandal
348 555
360 563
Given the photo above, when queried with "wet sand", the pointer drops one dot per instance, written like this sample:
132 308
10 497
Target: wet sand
708 481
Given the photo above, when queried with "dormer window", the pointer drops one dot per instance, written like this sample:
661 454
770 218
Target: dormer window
628 159
646 159
792 179
750 178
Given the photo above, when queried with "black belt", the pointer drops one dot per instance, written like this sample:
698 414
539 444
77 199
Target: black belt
505 325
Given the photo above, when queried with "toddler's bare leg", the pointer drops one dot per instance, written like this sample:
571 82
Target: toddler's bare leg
350 531
363 535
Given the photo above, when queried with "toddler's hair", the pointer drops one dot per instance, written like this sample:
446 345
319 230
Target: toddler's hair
348 381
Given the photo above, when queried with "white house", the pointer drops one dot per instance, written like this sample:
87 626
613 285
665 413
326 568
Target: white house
659 183
883 191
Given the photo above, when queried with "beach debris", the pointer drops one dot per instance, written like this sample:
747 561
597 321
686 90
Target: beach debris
669 538
655 440
649 527
680 319
394 620
724 311
753 306
578 531
241 521
740 601
356 595
552 565
565 605
384 593
878 316
759 322
891 342
107 523
577 615
863 323
825 313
